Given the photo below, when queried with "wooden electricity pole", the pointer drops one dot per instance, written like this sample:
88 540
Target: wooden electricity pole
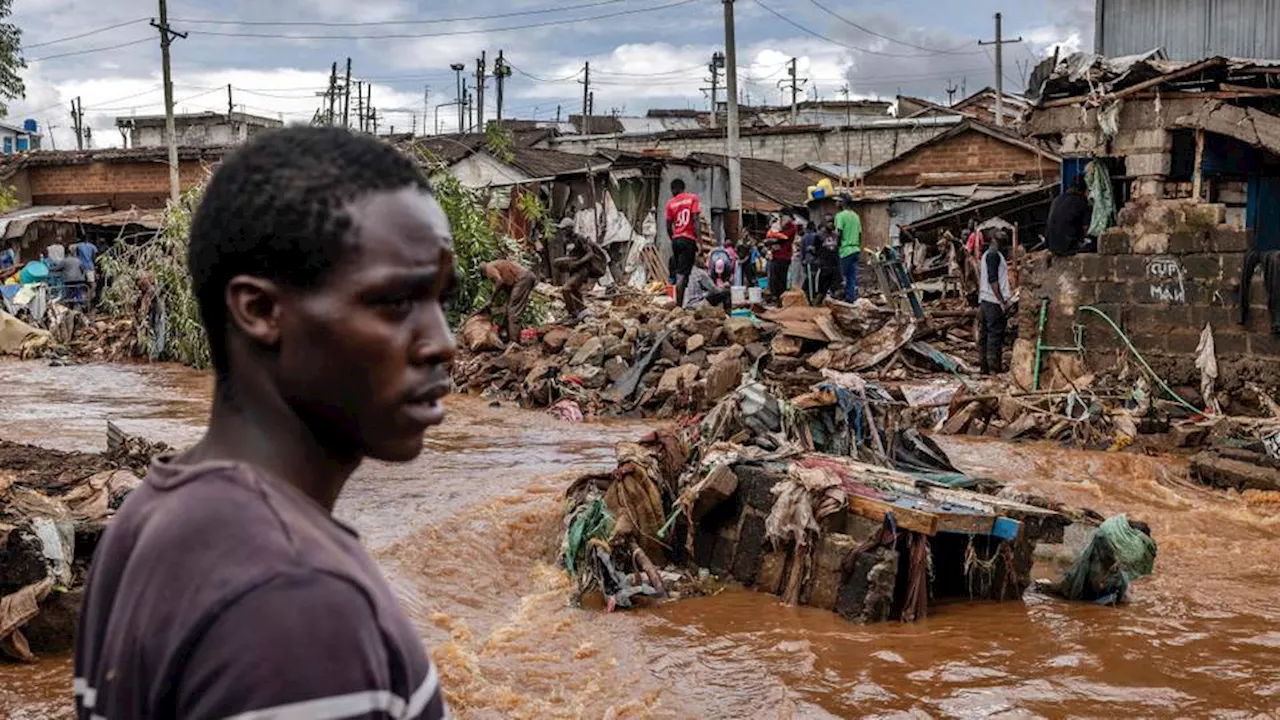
1000 42
166 39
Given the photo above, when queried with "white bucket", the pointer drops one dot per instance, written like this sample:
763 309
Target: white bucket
755 294
738 294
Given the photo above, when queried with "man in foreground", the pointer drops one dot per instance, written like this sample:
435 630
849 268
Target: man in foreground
512 289
849 228
994 297
224 587
684 212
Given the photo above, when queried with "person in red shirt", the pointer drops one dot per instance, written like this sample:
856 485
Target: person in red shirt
684 211
781 243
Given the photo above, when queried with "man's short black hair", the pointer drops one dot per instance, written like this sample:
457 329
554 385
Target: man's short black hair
677 186
276 209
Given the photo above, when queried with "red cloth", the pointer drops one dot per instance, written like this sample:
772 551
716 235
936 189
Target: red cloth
681 210
781 243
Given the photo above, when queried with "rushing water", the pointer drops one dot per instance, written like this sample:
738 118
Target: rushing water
467 534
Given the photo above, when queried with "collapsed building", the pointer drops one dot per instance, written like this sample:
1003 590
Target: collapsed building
1190 152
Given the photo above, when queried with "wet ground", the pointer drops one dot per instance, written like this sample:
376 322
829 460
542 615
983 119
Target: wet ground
467 535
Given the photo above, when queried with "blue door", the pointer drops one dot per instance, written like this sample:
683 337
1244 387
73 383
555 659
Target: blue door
1262 214
8 145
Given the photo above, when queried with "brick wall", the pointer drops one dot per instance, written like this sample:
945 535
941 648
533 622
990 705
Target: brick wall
1170 268
867 146
967 152
121 185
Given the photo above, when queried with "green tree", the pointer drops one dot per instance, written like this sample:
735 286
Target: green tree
11 62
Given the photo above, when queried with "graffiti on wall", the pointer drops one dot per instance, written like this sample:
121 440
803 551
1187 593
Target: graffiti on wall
1165 277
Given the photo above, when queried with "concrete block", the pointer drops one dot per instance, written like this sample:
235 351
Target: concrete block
1151 244
1095 267
1112 292
1202 267
1226 239
773 568
1205 215
755 484
750 551
868 595
1148 164
1131 267
1264 344
1188 241
1147 188
1230 340
1115 242
1145 141
1183 341
825 579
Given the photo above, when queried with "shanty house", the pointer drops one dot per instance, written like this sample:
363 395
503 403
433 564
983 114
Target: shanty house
117 178
1185 180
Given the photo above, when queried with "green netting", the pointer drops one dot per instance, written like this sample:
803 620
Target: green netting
1117 555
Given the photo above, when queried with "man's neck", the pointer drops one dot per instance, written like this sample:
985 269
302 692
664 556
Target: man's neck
267 434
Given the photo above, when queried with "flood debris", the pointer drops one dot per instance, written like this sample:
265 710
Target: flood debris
1119 552
54 506
742 495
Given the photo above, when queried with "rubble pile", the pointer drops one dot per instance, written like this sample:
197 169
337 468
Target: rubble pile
636 354
53 508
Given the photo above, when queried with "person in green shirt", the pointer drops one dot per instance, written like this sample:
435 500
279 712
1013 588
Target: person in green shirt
849 228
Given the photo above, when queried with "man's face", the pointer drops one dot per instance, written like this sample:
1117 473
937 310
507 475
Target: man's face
364 358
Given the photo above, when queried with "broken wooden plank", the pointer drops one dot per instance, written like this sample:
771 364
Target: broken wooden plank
965 523
906 518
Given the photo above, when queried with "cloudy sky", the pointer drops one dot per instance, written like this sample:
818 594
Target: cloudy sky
643 53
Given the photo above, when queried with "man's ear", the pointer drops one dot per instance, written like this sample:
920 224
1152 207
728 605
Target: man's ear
253 305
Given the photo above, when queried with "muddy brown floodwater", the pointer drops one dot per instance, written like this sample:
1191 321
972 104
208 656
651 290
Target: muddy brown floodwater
467 534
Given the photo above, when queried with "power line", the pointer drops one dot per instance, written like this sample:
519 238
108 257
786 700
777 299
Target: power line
84 34
92 50
536 78
447 33
382 23
833 41
882 36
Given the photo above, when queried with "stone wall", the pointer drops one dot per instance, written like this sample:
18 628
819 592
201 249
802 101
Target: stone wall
141 183
867 146
1168 269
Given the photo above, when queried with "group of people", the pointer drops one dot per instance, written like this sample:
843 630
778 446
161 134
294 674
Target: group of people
820 260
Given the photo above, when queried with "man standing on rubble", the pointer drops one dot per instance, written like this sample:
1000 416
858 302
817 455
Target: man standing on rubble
994 297
320 261
684 215
516 284
849 227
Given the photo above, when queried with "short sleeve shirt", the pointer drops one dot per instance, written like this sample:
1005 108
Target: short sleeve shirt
219 592
849 226
681 211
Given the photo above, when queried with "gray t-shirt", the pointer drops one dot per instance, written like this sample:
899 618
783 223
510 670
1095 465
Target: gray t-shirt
218 592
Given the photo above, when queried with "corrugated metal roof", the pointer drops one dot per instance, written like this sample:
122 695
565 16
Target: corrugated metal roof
1189 29
15 222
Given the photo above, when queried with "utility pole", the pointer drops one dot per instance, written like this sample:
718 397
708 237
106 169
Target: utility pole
1000 42
717 64
480 83
166 38
231 106
951 92
346 98
501 71
360 105
796 82
426 107
733 219
77 123
557 114
848 121
333 92
586 98
368 105
457 69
